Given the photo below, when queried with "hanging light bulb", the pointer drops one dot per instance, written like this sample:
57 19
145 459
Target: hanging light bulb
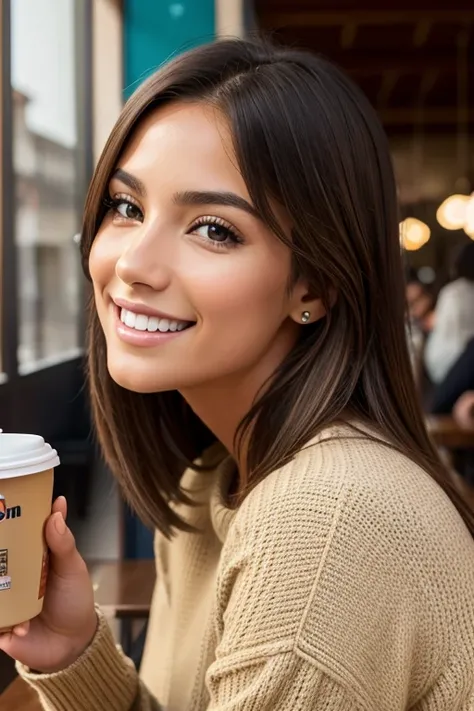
451 214
469 217
413 234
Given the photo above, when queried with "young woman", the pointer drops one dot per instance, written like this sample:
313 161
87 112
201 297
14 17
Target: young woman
241 235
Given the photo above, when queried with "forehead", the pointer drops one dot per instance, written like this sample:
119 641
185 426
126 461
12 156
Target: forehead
185 142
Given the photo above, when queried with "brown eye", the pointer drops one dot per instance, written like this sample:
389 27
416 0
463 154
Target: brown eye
128 210
217 233
214 232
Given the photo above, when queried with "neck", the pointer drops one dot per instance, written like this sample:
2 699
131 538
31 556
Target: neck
223 404
222 407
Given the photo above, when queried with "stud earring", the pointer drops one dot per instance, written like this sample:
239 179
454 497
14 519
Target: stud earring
305 316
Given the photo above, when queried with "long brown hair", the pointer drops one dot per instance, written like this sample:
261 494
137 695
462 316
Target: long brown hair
306 137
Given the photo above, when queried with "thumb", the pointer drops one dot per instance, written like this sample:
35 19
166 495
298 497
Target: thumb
65 558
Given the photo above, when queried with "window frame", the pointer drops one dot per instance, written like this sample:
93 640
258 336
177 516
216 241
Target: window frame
9 305
10 369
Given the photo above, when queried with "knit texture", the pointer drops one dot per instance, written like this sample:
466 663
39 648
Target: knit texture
344 582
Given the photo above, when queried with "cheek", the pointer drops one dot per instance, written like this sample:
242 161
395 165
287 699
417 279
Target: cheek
101 261
242 294
243 321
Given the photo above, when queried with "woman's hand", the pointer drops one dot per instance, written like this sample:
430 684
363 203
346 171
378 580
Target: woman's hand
66 626
463 411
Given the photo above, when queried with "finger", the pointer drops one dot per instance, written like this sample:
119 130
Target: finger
5 639
65 559
60 506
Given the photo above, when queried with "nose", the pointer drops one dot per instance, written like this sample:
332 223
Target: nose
145 261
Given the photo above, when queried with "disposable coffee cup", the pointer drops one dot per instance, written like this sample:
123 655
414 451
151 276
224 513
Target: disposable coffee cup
26 489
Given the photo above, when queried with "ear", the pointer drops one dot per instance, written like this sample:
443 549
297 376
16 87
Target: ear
305 307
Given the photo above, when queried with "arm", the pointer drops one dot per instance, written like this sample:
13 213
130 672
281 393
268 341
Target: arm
247 674
103 679
463 410
459 379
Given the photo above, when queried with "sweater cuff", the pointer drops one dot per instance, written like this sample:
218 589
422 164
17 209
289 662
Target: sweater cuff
102 678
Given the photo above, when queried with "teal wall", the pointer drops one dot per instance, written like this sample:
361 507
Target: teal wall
156 30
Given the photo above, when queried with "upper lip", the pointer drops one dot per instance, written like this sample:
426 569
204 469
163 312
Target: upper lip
146 310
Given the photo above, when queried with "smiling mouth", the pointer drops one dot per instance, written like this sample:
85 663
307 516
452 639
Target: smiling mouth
152 324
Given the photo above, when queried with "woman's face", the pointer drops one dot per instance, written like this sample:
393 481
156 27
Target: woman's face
191 287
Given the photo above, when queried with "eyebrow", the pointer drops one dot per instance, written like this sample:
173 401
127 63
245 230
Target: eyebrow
133 183
191 197
210 197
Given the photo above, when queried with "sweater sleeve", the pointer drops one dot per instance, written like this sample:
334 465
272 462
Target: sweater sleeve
102 678
282 682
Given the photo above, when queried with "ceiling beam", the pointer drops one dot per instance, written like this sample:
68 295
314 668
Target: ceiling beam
431 116
314 18
422 31
427 83
389 82
370 63
348 35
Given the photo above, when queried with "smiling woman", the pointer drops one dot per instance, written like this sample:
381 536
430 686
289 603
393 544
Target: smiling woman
253 394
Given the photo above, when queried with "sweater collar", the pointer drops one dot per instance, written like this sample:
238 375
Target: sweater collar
221 515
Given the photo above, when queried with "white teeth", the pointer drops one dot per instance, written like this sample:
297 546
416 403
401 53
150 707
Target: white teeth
140 322
153 323
130 319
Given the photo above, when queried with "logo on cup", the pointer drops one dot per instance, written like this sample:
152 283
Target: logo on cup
8 513
5 583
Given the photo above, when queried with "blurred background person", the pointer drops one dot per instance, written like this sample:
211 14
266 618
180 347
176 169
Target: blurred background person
454 318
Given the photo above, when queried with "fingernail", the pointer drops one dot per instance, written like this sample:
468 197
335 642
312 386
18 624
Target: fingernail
60 524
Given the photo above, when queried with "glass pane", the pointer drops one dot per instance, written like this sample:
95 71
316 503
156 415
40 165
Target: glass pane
45 148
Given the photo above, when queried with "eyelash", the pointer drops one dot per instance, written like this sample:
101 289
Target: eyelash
235 239
113 203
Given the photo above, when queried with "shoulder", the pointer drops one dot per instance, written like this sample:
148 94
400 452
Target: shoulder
353 557
350 493
339 464
457 289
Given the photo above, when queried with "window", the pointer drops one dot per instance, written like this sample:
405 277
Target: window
50 162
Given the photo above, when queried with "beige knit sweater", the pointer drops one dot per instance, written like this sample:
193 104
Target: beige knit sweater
345 581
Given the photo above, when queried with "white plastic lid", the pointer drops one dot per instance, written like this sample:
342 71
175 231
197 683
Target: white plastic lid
23 454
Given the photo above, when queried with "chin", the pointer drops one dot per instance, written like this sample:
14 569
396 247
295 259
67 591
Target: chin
135 386
134 379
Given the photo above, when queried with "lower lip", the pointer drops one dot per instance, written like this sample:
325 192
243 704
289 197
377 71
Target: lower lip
143 338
